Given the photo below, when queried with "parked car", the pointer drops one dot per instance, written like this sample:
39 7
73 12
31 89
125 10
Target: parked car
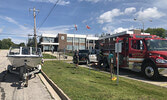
93 56
82 56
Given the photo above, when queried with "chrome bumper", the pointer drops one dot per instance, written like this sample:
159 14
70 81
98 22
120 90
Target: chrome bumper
162 71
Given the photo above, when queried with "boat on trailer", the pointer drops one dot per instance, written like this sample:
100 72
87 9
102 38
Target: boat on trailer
25 61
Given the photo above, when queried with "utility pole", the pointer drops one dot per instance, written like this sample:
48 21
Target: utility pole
35 35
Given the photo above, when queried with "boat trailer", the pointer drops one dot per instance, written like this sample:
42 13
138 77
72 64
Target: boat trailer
24 72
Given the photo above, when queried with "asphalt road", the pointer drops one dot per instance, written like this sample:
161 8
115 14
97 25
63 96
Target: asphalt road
162 81
12 89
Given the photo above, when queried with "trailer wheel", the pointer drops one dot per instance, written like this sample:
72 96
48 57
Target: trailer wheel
9 68
150 71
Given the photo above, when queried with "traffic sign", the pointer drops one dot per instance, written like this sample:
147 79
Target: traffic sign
118 47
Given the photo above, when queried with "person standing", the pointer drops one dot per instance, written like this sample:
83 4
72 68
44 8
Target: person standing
110 61
76 58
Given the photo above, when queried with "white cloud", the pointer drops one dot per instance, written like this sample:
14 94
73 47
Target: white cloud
61 2
112 30
149 13
84 21
20 35
160 4
18 40
109 15
11 20
120 29
56 29
93 1
130 10
1 29
87 20
96 1
108 28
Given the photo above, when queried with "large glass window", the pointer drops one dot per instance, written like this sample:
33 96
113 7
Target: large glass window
48 40
157 45
52 40
69 39
81 47
46 47
45 39
81 40
76 47
69 47
76 40
137 44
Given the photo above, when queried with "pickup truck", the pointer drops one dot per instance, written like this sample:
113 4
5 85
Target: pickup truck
93 56
83 56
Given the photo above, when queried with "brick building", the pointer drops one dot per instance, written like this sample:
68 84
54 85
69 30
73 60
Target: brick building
70 42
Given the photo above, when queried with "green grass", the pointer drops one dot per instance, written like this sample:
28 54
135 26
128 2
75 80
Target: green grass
48 56
69 54
84 84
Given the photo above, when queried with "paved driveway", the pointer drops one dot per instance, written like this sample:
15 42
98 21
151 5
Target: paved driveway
11 89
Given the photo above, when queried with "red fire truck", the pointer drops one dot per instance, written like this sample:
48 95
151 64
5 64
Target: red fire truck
141 53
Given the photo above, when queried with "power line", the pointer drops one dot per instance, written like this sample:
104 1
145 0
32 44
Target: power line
48 14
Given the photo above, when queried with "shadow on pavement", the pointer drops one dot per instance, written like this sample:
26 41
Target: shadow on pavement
10 78
139 76
14 79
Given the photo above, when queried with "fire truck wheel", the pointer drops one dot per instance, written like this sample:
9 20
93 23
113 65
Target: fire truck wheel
150 71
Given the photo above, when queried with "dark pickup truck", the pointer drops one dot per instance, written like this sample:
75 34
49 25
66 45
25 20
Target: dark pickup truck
83 56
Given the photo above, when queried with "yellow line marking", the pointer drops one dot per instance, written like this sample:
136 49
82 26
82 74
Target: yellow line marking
164 84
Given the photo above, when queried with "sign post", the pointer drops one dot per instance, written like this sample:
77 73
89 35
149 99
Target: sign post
118 49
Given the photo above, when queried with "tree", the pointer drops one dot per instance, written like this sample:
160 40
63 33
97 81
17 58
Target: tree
161 32
6 43
22 44
31 42
0 44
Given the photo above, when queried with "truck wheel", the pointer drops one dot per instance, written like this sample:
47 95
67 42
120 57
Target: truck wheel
150 71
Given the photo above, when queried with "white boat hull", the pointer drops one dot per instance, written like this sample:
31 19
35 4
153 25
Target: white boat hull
31 61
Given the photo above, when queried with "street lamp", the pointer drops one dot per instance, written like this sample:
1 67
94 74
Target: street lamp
142 22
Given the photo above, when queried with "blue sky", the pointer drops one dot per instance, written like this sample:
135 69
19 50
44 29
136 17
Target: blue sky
108 16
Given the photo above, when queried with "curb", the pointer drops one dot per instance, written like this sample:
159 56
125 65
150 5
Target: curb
61 94
55 60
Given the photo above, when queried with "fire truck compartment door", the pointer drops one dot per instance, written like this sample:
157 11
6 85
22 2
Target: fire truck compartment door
137 51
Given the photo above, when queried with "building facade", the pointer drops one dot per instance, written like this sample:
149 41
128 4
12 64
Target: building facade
72 42
69 42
